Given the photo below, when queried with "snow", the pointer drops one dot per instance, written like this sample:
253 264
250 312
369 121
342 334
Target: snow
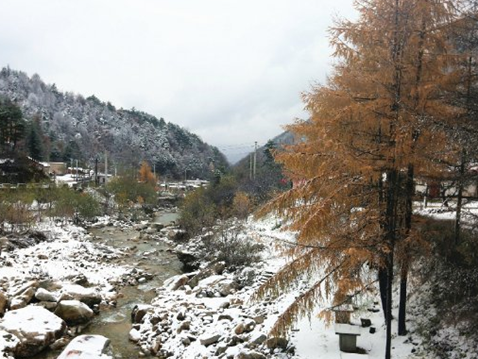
67 252
68 246
86 347
311 338
31 319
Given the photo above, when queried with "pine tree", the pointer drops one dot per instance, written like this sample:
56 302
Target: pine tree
12 125
35 140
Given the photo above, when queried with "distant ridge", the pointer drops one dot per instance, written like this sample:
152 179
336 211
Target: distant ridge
82 128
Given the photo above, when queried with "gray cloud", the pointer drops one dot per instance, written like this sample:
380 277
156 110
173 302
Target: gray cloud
230 71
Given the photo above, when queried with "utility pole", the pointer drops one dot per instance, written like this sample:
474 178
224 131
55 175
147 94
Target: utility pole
77 179
106 167
250 166
255 160
96 171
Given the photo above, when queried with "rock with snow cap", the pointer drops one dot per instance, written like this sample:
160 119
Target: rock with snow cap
134 335
89 296
139 311
245 327
35 327
44 295
209 338
74 312
258 338
88 347
22 300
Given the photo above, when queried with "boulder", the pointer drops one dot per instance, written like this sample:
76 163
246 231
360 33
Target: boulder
134 335
19 289
176 282
44 295
139 311
245 327
278 342
89 296
209 338
3 303
212 270
74 312
227 287
258 338
35 327
21 300
88 346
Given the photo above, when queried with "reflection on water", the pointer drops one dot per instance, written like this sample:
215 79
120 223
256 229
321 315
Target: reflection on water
151 255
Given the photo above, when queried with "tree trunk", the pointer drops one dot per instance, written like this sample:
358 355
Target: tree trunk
405 261
382 281
388 315
402 308
393 184
459 199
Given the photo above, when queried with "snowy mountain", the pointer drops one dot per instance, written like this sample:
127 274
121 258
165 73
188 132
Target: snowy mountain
75 127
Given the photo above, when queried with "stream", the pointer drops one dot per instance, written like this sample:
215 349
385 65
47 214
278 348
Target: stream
149 255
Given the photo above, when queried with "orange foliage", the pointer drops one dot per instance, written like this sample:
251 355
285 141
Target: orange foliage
368 135
146 175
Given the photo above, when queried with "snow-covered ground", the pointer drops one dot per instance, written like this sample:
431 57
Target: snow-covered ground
67 252
210 314
216 318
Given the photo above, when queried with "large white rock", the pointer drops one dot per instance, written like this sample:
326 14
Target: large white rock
89 296
35 327
44 295
87 347
134 335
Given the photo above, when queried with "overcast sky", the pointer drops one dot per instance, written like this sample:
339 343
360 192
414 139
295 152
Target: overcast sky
230 71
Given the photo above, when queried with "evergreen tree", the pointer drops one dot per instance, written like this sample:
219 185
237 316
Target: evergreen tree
35 140
12 125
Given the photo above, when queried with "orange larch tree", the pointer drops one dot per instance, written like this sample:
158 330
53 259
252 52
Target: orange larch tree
146 175
356 159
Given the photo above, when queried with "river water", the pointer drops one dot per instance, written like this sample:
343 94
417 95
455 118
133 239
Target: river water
151 256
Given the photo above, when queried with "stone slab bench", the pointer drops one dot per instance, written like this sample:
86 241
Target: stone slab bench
347 337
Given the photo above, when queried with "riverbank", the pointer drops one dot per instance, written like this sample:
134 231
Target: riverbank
212 313
117 269
106 269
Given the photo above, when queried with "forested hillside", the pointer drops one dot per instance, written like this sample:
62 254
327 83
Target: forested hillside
74 127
